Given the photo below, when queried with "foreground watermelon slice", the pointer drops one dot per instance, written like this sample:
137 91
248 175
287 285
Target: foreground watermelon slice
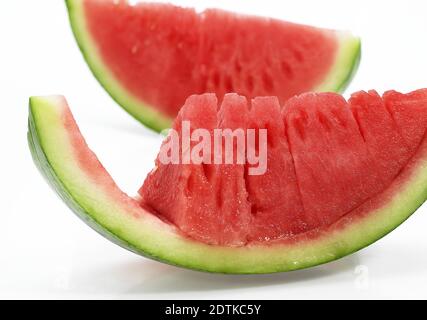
72 169
151 57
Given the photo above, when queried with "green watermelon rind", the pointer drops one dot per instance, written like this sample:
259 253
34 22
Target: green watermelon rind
341 74
42 163
141 111
148 236
345 68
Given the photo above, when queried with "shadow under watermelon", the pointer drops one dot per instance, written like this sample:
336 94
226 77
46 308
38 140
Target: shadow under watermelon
167 279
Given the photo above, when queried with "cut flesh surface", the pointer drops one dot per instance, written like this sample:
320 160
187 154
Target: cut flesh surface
150 57
326 157
316 236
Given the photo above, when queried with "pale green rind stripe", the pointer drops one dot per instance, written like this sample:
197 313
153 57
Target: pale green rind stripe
141 111
341 74
148 236
345 66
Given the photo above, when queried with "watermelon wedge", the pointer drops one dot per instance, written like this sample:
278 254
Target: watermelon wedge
341 175
151 57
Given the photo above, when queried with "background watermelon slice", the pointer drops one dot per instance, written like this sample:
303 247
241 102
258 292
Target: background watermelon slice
359 175
151 57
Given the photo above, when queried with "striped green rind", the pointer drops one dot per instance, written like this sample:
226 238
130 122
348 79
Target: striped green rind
342 71
95 198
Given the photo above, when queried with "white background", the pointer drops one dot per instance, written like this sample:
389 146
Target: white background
46 252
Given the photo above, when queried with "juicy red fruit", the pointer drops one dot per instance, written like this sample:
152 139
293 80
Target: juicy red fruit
326 157
162 54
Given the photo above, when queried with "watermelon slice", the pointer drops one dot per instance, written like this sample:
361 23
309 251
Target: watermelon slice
151 57
341 175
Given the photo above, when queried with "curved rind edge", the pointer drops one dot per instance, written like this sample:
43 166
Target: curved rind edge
141 111
42 163
346 64
148 236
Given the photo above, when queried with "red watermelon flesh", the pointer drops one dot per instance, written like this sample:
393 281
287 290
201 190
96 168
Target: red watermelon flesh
326 157
229 179
201 112
277 209
327 150
407 112
212 197
382 135
162 53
